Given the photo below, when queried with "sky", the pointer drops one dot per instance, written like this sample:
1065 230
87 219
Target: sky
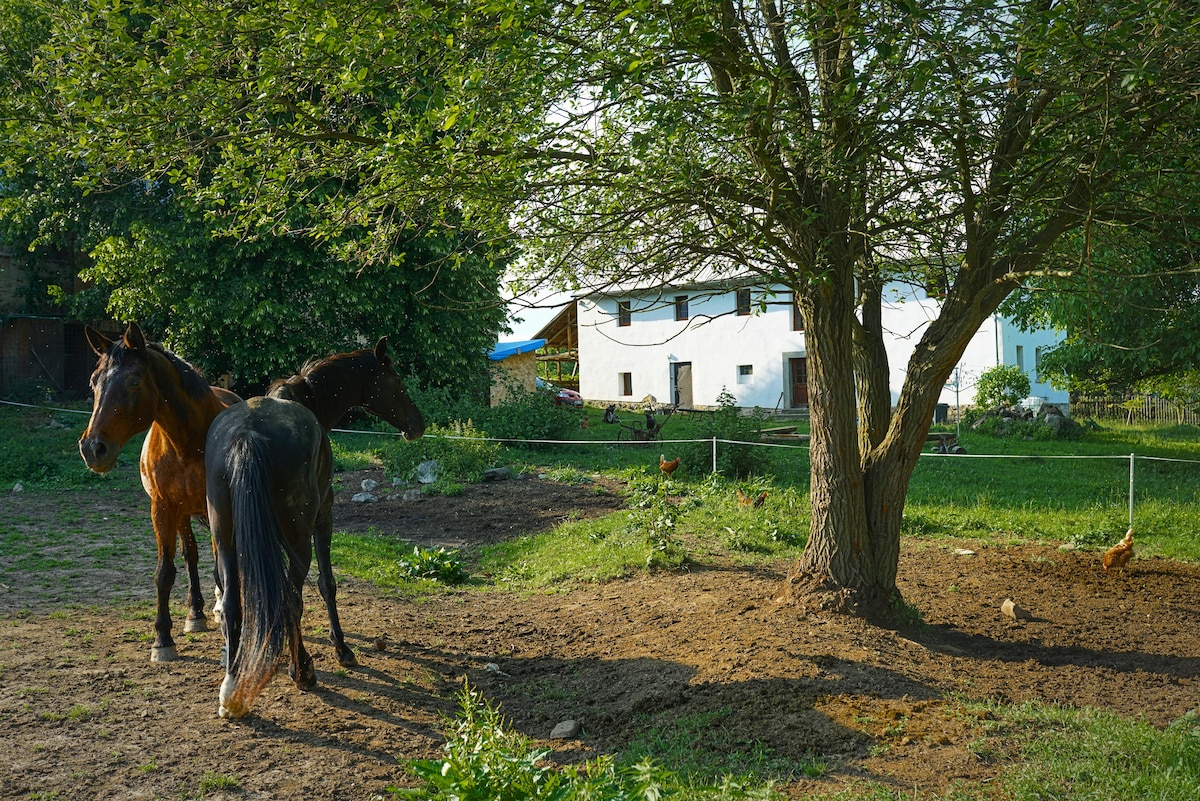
533 311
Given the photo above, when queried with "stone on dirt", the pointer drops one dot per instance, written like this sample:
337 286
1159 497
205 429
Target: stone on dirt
496 474
567 730
364 497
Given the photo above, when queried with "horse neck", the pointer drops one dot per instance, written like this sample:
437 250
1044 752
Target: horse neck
327 400
182 417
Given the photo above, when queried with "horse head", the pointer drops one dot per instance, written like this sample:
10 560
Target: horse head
123 396
387 398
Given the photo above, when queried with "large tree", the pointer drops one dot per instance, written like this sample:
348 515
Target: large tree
831 146
233 294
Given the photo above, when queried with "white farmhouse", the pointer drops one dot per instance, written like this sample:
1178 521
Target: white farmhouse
686 344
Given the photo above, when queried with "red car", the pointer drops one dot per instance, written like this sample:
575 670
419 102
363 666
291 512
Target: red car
562 396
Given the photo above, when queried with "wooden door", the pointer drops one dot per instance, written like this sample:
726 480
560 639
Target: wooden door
682 379
798 370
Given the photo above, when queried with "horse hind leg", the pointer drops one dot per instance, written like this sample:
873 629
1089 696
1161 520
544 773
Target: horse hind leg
328 586
301 669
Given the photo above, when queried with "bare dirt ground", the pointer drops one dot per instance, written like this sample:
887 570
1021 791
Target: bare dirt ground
86 715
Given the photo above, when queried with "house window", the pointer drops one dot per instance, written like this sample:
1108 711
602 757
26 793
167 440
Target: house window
797 317
1021 358
745 372
681 307
623 313
626 380
743 302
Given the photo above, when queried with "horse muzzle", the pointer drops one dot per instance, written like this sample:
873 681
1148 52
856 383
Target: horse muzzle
97 455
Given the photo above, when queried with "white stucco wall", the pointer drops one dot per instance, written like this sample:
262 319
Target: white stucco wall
907 313
715 341
714 345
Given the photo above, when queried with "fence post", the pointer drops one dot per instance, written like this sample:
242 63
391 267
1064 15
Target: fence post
1131 459
714 454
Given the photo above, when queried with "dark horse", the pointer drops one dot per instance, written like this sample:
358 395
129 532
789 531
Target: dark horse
139 385
269 469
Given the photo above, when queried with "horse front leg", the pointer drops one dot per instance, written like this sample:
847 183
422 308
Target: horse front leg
196 621
166 528
322 542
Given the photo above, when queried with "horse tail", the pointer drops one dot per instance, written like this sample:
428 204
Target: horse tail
271 602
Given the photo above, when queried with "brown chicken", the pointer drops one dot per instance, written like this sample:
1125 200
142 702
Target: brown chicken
667 467
756 501
1116 556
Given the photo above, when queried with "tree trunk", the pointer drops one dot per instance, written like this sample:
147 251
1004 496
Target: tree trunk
861 467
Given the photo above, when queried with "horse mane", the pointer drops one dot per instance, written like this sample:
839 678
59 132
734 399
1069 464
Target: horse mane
194 383
320 381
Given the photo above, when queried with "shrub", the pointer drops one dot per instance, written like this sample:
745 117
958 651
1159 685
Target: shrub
729 423
1002 385
461 453
486 761
440 565
530 415
444 405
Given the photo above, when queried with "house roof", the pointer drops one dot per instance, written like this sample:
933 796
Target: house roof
561 331
505 349
727 282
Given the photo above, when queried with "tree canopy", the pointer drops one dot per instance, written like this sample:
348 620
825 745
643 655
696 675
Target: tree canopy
1131 310
829 146
232 295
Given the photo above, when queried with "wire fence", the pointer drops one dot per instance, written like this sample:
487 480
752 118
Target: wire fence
1132 459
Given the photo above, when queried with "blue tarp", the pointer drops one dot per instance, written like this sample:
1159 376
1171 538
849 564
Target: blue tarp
505 349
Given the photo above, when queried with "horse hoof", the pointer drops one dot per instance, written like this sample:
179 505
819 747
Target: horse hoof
228 707
347 658
163 653
195 624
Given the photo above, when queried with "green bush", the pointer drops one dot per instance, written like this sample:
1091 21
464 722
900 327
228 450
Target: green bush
485 761
653 516
1002 385
530 415
439 565
728 422
1008 427
445 405
459 449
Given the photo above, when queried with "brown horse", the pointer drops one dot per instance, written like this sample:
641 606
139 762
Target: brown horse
139 385
269 473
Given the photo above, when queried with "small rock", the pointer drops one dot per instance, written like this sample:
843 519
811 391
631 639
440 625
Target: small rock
1013 611
492 667
18 487
496 474
567 730
380 643
364 497
399 482
369 485
963 552
427 471
411 495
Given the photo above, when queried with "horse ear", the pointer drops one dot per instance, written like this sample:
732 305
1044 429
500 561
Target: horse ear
97 341
134 338
381 349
